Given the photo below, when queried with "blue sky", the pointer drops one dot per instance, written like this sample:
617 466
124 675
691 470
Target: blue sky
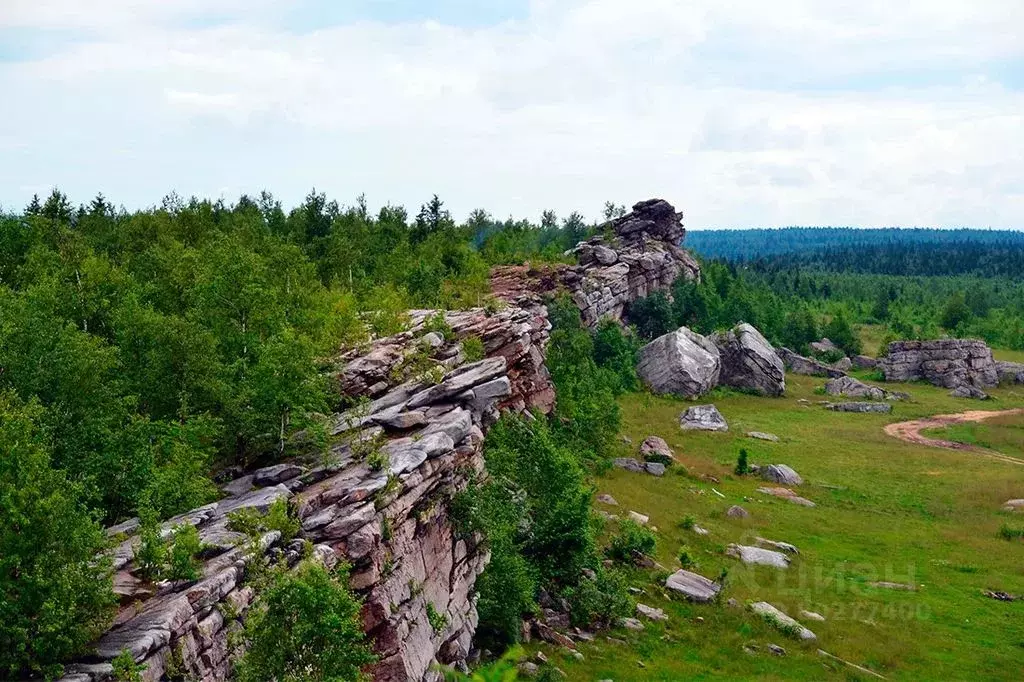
743 113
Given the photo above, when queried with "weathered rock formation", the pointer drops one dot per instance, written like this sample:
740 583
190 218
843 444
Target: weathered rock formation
944 362
884 408
782 474
863 362
641 256
798 364
390 523
749 362
681 363
824 346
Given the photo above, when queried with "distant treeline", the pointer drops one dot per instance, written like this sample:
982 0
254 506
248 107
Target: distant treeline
748 245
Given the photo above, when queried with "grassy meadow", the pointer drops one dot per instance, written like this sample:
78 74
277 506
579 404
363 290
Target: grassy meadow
886 511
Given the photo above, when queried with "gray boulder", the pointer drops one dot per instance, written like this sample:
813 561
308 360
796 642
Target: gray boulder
758 556
864 362
749 362
843 364
681 363
969 392
798 364
853 388
655 449
824 346
781 620
1010 372
702 418
782 474
860 407
694 587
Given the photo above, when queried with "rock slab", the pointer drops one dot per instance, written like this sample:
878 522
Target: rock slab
702 418
681 363
693 586
749 362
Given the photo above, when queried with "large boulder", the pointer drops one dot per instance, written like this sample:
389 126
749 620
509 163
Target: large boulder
749 362
681 363
944 362
798 364
1010 372
781 473
692 586
702 418
864 362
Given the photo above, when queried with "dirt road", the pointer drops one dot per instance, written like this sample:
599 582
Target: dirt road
911 431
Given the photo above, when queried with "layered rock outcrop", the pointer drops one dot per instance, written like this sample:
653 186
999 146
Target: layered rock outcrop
798 364
944 362
638 255
749 362
378 501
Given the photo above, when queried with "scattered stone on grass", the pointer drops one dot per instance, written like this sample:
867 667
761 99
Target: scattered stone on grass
702 418
650 612
737 512
781 620
632 624
699 530
1014 505
642 519
655 449
761 435
637 467
758 556
781 546
693 586
605 498
1001 596
885 584
788 495
884 408
782 474
655 468
776 649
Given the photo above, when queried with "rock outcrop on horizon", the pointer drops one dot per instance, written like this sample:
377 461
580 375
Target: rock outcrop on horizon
681 363
749 362
949 363
642 255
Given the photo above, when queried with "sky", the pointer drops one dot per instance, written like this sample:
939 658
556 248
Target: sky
742 113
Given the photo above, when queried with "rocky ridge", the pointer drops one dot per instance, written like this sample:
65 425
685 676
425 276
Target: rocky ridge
378 500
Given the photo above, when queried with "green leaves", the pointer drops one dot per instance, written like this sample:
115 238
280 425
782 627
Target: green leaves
305 626
55 593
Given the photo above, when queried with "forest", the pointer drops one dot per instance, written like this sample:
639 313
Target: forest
144 352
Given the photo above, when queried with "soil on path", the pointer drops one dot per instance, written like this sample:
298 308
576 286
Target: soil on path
911 431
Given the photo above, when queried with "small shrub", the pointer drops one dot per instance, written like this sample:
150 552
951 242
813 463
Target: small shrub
599 602
631 543
183 556
659 458
438 325
126 669
151 556
1011 533
304 626
438 621
377 460
686 559
279 516
473 349
742 463
688 523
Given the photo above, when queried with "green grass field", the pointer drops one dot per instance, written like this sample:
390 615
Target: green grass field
1004 434
886 511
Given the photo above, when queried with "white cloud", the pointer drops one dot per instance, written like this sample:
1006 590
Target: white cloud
581 102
